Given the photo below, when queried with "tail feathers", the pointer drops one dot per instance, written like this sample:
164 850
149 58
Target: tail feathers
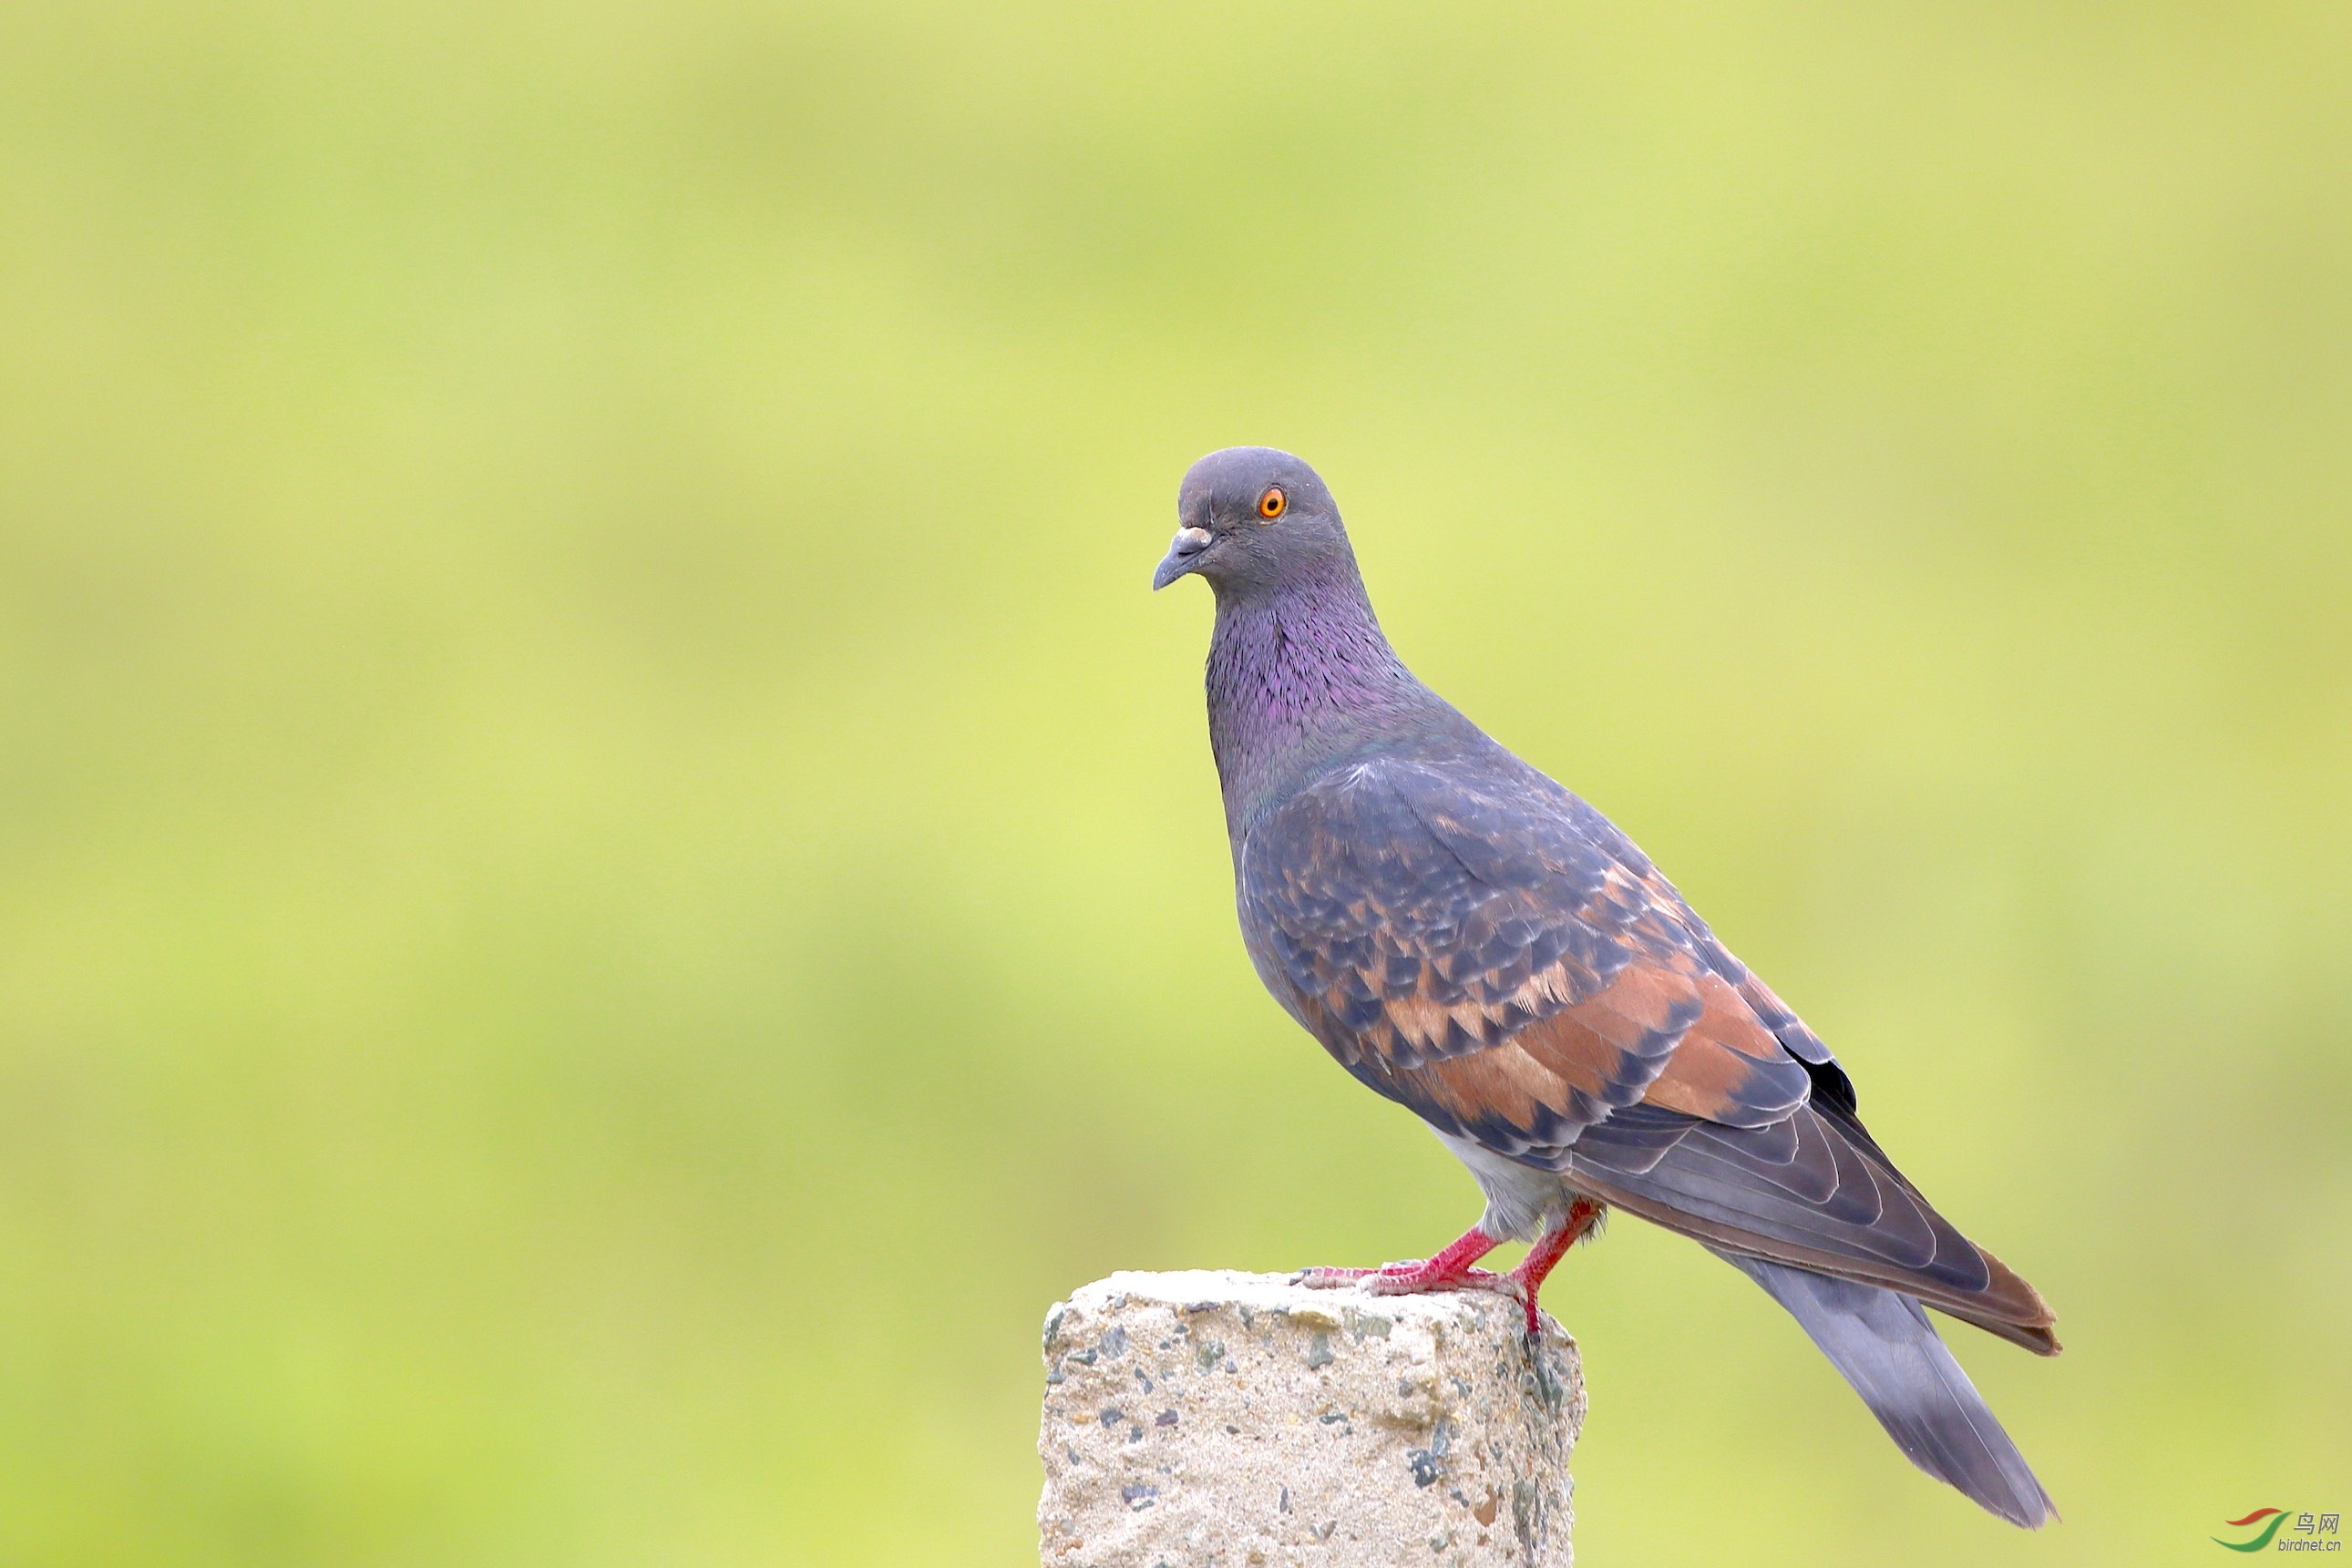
1881 1340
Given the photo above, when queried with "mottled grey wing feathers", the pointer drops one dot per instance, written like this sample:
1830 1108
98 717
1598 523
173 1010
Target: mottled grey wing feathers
1479 945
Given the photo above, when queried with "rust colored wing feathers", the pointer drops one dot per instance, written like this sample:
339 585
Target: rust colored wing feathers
1508 966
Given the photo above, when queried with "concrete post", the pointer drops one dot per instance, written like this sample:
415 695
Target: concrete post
1215 1419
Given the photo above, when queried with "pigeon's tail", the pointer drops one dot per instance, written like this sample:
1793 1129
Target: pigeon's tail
1881 1340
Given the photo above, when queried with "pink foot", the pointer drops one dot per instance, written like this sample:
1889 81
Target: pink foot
1453 1270
1545 1254
1412 1280
1449 1271
1406 1279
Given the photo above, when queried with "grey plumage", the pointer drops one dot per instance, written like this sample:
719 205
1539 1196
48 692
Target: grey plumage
1472 941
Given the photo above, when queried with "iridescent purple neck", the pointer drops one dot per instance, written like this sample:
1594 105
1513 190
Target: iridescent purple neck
1299 673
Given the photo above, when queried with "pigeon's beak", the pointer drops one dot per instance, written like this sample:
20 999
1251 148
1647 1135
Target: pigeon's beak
1182 555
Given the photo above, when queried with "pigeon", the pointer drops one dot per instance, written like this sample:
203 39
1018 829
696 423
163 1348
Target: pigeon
1474 941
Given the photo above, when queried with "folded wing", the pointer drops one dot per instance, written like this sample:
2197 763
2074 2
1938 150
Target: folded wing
1492 953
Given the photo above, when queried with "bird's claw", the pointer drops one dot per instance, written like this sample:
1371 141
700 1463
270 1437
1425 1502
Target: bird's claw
1407 1279
1405 1283
1329 1279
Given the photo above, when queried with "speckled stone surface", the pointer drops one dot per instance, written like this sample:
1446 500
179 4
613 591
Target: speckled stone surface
1216 1420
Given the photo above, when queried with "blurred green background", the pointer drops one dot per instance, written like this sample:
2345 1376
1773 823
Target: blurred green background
609 880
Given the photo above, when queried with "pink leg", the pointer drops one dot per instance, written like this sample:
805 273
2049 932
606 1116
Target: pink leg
1549 1249
1449 1271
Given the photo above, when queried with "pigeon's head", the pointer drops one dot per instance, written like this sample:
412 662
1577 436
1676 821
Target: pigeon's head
1251 518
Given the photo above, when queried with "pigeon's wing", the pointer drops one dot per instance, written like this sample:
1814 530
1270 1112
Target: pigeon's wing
1513 970
1487 949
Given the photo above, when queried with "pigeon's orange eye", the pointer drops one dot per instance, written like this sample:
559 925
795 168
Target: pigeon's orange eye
1270 505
